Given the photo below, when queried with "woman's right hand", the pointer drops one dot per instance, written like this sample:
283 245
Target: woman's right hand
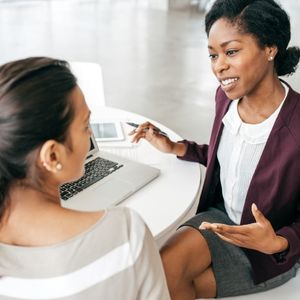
152 134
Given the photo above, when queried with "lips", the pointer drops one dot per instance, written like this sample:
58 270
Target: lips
228 83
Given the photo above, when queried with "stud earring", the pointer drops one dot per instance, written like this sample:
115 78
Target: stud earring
270 58
59 167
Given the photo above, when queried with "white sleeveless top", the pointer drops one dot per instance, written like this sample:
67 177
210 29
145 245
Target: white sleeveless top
240 149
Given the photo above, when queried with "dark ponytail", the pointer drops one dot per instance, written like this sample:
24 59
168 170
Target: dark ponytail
286 62
3 191
265 20
34 107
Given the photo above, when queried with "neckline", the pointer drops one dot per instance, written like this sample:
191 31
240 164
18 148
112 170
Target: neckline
251 133
270 118
11 247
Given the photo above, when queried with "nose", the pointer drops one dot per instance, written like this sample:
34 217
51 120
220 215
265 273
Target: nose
220 64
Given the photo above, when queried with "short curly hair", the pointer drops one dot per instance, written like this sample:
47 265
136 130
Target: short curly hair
264 19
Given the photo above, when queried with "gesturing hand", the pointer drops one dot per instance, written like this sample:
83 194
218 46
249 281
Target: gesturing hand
259 236
152 134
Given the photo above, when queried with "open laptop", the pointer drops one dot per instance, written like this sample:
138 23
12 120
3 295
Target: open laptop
108 180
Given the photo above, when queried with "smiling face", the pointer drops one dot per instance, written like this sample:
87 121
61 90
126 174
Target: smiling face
242 67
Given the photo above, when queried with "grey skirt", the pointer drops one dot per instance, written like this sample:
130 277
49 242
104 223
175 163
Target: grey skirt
231 267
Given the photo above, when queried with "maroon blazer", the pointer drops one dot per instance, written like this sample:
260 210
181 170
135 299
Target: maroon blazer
275 185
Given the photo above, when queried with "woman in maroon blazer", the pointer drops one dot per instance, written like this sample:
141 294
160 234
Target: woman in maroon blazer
245 237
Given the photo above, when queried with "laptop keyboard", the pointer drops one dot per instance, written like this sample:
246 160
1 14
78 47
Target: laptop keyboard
95 170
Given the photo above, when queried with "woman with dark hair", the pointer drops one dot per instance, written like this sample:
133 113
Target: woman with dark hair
47 251
245 237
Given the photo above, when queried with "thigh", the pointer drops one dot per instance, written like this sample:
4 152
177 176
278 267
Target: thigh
187 248
230 266
186 256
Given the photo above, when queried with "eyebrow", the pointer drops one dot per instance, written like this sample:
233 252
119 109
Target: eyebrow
225 43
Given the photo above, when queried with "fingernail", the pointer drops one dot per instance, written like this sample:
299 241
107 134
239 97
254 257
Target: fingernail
202 226
254 206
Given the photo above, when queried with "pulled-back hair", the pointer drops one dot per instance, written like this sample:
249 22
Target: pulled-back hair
266 21
34 107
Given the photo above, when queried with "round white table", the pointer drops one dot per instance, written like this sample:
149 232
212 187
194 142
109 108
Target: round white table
171 198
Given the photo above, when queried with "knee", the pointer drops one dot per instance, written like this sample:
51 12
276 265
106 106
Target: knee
168 255
175 253
181 252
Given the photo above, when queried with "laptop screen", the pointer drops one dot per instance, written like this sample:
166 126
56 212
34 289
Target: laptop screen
93 147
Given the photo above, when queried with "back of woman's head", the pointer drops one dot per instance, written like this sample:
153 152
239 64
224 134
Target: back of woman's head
34 107
266 21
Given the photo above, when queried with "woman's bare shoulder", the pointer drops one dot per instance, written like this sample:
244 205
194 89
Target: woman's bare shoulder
52 225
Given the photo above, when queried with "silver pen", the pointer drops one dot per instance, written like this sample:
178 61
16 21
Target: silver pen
155 129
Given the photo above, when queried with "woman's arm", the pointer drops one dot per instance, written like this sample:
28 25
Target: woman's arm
259 236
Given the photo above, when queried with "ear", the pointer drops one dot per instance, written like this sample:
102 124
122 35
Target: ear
50 156
271 52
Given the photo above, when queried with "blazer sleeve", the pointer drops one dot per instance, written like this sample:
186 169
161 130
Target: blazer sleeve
195 152
292 234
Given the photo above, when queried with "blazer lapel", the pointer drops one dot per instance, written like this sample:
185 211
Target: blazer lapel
218 126
255 191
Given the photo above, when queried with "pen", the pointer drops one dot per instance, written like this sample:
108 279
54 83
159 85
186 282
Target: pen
156 129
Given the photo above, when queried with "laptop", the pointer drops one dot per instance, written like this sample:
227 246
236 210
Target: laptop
108 180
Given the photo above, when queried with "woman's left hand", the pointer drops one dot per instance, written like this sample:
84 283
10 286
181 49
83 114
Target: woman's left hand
258 236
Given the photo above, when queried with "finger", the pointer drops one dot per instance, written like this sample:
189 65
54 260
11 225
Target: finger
136 138
237 237
258 215
214 228
144 126
229 229
142 136
132 132
150 134
231 240
205 225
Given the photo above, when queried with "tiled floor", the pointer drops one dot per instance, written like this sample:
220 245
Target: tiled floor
154 62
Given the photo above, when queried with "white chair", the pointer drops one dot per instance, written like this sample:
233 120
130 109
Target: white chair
90 80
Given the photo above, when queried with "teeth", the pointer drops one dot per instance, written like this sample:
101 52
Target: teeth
228 81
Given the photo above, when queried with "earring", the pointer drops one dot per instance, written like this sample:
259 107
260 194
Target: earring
270 58
59 167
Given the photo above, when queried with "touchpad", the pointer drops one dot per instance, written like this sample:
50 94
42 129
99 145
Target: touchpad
112 192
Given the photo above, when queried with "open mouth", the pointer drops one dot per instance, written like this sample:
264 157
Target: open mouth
228 81
228 84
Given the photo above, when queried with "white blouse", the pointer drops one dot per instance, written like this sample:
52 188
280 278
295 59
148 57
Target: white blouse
239 151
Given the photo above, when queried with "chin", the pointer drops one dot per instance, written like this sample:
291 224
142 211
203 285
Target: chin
234 95
236 92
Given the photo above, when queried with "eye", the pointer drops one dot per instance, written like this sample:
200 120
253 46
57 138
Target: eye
213 56
231 52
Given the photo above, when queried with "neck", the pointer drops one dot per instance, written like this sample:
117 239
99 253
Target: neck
26 206
259 105
23 199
